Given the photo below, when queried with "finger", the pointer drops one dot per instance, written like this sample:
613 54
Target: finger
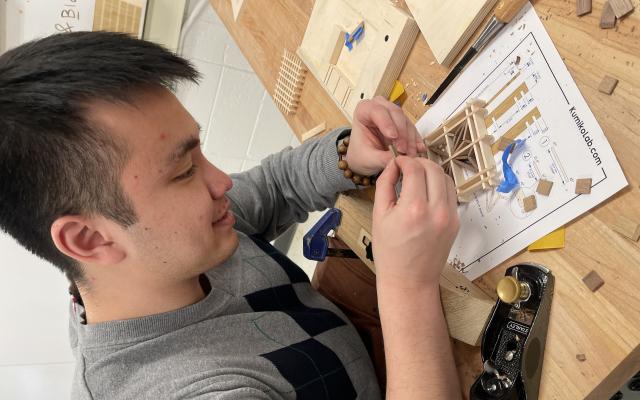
406 131
452 203
452 196
374 115
414 185
420 146
378 159
412 137
385 196
436 183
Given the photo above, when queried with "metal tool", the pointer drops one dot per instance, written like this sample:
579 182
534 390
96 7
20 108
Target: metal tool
504 13
513 343
315 244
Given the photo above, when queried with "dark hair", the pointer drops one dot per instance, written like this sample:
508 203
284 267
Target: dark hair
53 160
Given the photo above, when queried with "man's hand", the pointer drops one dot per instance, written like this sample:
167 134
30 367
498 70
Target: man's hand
412 237
377 123
413 234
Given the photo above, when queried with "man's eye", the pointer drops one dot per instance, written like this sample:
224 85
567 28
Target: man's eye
187 174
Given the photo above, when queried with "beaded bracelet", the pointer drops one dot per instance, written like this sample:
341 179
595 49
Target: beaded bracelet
344 166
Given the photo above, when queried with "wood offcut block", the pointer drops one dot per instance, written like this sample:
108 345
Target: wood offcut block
314 131
593 281
583 186
529 203
607 85
627 228
448 24
583 7
608 17
503 143
621 7
544 187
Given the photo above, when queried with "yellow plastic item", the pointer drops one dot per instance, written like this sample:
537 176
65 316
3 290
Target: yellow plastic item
554 240
396 91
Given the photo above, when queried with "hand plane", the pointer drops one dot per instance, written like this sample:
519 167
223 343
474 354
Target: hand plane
513 342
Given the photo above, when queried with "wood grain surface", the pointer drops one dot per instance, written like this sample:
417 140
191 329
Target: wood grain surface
603 325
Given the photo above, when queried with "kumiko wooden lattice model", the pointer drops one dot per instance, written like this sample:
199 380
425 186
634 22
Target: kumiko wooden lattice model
462 147
289 83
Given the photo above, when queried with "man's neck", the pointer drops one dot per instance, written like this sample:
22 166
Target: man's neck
131 300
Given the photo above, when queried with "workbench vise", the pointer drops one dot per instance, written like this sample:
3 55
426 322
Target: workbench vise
315 244
513 342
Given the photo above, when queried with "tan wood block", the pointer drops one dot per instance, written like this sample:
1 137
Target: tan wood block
608 17
607 85
627 228
621 7
593 281
504 142
529 203
583 186
583 7
544 187
314 131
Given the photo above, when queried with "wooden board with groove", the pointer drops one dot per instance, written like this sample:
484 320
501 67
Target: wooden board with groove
601 325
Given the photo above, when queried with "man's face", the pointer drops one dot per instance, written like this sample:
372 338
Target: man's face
184 224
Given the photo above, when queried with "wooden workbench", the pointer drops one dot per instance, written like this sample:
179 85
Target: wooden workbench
605 325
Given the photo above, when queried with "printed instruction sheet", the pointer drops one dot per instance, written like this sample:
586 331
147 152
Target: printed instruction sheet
530 95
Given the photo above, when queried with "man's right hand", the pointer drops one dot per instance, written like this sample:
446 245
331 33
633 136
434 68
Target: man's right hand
412 237
413 234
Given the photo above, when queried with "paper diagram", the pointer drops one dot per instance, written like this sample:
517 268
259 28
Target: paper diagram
530 95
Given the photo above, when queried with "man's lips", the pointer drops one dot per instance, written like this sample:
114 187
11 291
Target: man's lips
227 218
224 214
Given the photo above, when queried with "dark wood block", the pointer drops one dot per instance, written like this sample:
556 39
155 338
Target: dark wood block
593 281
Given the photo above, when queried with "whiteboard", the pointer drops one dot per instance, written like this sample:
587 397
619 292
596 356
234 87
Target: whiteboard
24 20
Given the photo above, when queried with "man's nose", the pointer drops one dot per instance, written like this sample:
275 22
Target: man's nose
218 182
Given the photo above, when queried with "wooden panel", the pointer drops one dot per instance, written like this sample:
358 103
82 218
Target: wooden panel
370 68
601 325
448 24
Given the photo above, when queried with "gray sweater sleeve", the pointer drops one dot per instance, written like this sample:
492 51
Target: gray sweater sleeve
286 186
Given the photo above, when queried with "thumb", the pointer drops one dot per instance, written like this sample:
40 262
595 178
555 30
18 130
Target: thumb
385 188
378 159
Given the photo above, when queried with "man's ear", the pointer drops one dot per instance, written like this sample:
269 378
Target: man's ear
85 240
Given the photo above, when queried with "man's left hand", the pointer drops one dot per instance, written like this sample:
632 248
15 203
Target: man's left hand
377 123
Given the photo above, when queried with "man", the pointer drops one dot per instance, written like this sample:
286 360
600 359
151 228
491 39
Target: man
178 293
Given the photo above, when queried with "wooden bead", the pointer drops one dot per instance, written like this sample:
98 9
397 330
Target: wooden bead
366 181
357 179
348 173
342 164
345 141
342 149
